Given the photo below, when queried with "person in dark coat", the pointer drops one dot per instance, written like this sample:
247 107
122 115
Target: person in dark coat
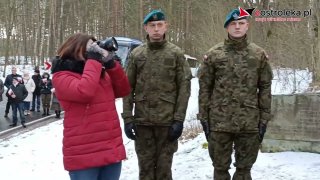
7 84
16 94
36 93
45 91
1 90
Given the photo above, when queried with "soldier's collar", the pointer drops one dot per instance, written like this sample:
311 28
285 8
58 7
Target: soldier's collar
236 44
156 45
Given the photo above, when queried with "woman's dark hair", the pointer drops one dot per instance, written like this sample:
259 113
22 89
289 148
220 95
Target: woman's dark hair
75 47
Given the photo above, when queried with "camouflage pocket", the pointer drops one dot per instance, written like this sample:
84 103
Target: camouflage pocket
140 107
166 107
221 63
222 70
168 71
218 114
140 63
250 114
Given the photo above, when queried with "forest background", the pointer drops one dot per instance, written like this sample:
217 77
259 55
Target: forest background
32 30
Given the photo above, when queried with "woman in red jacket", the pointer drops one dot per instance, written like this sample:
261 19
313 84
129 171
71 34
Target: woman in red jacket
87 83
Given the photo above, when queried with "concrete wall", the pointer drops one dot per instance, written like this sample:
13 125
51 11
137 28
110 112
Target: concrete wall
295 125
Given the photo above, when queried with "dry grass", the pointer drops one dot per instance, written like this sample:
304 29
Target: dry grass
191 131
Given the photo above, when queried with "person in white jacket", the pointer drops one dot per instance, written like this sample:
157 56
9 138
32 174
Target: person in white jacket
30 86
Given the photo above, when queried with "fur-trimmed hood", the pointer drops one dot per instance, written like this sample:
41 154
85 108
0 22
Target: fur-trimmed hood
67 65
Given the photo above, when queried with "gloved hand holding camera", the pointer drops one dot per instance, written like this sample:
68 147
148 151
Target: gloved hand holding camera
103 51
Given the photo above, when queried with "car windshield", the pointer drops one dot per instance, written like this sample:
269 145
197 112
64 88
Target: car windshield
123 52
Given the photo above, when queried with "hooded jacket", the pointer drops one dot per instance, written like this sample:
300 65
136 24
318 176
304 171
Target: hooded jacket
92 132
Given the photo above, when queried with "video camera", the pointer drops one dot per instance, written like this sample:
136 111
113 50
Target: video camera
109 44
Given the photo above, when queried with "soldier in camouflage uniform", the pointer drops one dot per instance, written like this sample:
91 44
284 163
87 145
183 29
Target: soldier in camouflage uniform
234 100
160 80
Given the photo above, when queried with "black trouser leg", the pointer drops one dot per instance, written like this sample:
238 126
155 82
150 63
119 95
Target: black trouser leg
7 107
44 112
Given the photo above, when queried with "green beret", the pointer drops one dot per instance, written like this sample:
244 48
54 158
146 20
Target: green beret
155 15
232 16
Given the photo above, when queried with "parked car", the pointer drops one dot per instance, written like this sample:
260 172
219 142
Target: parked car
125 46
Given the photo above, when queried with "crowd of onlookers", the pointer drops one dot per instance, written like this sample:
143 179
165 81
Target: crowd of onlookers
25 94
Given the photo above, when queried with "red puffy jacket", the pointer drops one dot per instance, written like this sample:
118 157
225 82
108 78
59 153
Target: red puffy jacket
92 132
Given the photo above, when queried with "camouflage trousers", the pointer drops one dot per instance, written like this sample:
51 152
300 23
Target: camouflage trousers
154 152
221 145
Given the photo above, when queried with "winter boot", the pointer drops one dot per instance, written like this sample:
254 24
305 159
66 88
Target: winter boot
48 112
57 116
59 112
13 125
44 112
23 124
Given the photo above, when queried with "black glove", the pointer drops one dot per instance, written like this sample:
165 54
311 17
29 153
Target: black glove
205 127
94 55
175 130
262 130
94 52
108 62
131 130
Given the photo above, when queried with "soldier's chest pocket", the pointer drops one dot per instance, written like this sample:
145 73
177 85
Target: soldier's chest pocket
222 66
168 67
140 64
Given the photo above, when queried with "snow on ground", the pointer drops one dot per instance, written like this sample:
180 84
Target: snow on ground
37 155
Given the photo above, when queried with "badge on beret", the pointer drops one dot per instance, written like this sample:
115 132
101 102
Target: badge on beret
155 17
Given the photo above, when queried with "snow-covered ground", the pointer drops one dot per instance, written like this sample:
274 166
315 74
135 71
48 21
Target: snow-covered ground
37 155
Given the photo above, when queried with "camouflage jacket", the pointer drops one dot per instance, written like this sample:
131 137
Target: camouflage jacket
160 80
235 87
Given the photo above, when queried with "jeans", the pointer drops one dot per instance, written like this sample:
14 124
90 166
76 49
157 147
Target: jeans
108 172
17 107
35 98
26 105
